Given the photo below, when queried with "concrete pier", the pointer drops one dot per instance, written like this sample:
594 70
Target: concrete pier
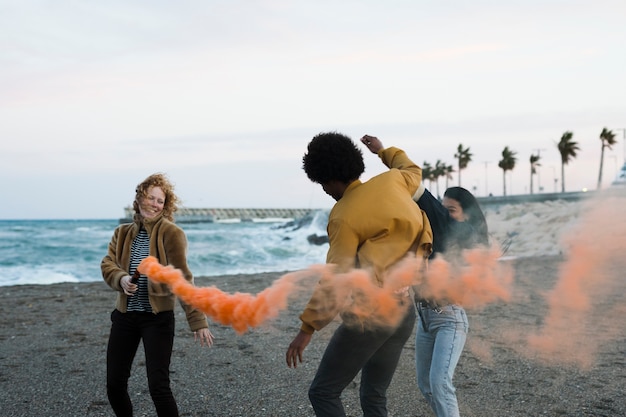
209 215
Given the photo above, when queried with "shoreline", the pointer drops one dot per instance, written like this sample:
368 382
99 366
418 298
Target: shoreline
53 342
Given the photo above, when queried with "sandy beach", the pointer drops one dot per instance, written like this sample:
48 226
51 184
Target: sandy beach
556 347
53 341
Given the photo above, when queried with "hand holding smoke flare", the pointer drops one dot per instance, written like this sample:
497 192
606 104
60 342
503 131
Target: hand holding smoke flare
135 278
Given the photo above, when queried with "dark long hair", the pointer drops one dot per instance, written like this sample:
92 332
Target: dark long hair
472 210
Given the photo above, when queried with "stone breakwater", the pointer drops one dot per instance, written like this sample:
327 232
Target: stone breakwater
209 215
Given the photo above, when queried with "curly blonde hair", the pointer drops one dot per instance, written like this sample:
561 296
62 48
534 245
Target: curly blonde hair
157 180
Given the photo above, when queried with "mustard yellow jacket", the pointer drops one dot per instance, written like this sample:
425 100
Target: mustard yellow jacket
374 225
168 244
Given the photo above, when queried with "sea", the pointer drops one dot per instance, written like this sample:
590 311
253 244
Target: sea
52 251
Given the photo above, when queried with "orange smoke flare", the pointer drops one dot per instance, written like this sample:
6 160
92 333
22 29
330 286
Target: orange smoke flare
241 311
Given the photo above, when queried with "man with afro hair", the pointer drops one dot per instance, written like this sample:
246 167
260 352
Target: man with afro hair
372 226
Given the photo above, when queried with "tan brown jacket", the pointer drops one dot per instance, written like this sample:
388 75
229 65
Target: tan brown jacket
168 244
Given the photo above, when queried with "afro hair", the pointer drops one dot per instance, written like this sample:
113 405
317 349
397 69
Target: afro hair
332 156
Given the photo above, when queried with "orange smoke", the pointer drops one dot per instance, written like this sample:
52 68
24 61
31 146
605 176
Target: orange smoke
241 311
353 294
363 303
478 280
589 289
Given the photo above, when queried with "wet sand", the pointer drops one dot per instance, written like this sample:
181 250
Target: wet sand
53 342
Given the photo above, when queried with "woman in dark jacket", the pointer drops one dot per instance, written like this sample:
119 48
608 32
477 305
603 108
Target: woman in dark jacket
457 223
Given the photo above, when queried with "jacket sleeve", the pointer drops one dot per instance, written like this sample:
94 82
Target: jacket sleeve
438 217
112 273
323 306
326 302
176 250
396 158
343 245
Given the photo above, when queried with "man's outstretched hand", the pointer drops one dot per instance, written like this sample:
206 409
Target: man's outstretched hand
296 348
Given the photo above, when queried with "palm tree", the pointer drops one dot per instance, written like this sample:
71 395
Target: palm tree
608 139
448 170
464 157
567 148
507 163
427 174
440 171
534 163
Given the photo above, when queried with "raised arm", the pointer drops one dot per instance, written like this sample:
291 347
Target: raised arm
396 158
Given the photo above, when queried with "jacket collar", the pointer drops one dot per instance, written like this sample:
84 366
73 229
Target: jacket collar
149 224
354 184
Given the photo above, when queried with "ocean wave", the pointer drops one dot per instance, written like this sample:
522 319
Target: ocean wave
52 251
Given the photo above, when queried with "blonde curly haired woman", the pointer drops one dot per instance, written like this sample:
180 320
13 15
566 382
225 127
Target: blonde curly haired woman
144 310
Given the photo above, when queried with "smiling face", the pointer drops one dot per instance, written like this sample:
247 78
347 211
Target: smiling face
454 208
151 205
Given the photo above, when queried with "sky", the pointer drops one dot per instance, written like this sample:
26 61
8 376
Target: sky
224 96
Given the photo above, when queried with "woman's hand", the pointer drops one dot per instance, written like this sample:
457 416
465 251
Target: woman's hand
127 286
204 336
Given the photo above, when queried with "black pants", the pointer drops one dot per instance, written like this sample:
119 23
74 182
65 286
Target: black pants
374 352
157 333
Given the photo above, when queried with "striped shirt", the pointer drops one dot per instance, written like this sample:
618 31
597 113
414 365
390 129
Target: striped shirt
139 250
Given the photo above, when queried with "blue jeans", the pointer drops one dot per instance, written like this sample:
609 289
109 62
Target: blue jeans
157 333
374 352
439 341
